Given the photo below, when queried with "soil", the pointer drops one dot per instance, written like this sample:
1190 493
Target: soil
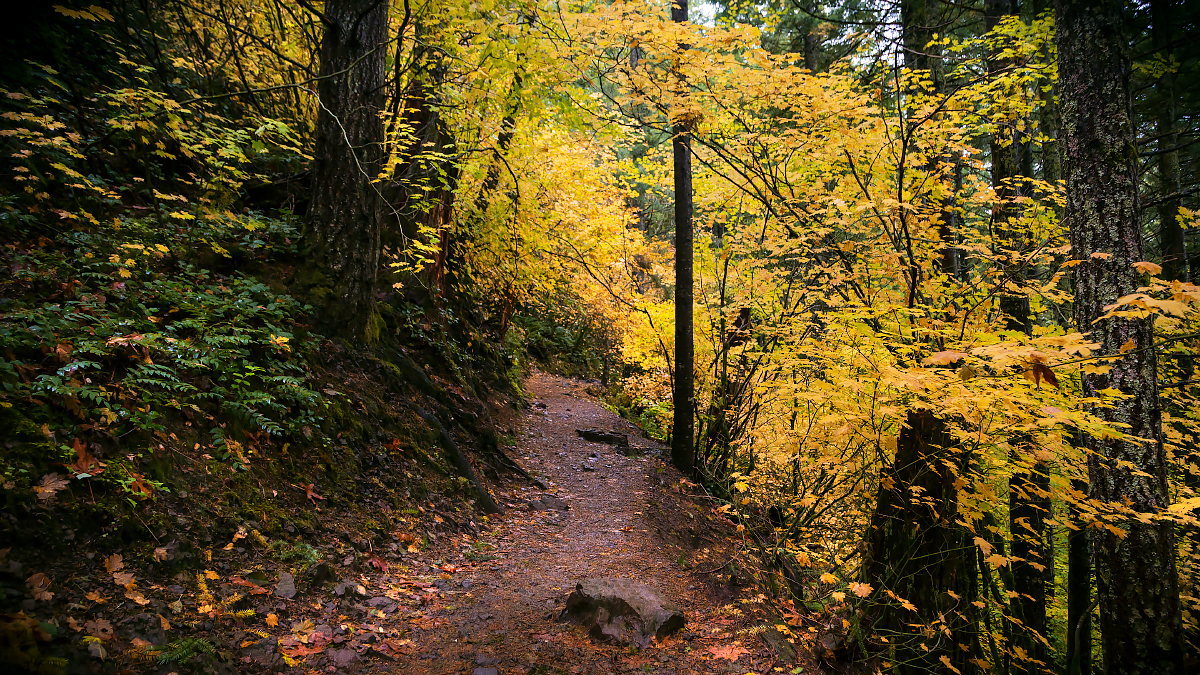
627 516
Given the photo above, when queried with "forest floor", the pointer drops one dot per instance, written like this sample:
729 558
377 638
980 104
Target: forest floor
625 516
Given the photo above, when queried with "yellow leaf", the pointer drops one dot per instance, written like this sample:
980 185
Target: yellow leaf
166 625
211 574
1148 268
984 546
272 620
1128 346
828 578
861 590
996 560
838 596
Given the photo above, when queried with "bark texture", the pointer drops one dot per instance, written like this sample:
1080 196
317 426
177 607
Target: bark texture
683 396
917 551
1174 251
345 216
1137 584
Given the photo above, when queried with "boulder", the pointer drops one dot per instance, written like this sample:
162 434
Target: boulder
602 436
622 611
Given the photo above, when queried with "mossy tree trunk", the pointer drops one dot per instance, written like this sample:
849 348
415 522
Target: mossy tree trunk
916 551
1137 584
345 217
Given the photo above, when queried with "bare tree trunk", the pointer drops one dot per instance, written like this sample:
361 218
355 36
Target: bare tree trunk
345 217
1174 252
683 396
1137 584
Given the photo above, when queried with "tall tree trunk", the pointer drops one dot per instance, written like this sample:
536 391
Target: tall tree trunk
1174 252
1079 593
1028 489
345 216
683 396
917 551
1137 585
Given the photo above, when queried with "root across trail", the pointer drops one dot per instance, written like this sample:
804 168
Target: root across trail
605 511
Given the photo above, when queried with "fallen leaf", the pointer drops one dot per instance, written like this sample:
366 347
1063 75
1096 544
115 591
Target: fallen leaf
160 554
137 597
272 620
255 589
139 642
96 597
166 625
100 628
114 563
378 563
38 587
123 579
50 484
312 495
209 574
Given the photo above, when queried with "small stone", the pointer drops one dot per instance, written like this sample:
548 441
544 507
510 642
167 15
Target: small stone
485 671
486 660
342 658
286 588
441 584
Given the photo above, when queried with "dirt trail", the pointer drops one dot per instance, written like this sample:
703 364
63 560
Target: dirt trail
625 515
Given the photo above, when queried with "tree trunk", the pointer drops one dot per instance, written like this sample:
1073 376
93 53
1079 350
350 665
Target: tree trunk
1137 584
1028 489
683 396
1174 252
917 551
1079 593
345 217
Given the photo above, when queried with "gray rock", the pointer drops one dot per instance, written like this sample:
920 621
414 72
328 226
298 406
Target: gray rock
485 671
441 584
286 588
486 660
548 503
603 436
342 658
622 611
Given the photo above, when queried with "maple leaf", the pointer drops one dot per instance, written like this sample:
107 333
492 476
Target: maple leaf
96 597
731 652
838 596
1148 268
160 554
99 628
828 578
38 585
50 484
944 358
85 465
114 563
137 597
123 579
861 590
272 620
255 589
140 488
378 563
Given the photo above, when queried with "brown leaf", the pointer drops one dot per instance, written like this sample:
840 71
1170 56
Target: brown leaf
272 620
312 495
50 484
140 488
114 563
85 462
166 625
100 628
96 597
378 563
160 554
137 597
38 587
255 589
123 579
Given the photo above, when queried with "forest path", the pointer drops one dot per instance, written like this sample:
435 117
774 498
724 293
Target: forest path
624 513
